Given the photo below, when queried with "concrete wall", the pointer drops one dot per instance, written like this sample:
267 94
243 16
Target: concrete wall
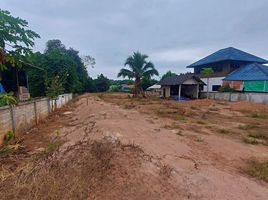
28 114
235 96
167 91
212 81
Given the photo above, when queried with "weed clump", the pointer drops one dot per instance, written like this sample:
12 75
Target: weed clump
258 170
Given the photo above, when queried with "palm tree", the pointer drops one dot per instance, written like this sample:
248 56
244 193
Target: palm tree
207 72
139 68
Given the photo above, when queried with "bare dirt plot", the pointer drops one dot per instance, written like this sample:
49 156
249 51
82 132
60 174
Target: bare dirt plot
118 148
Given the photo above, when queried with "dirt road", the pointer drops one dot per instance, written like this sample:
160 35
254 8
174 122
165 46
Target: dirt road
203 166
153 162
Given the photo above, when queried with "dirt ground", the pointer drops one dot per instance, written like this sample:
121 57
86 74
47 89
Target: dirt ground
110 146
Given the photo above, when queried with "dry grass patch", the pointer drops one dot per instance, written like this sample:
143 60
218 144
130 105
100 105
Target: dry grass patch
172 126
223 131
248 126
250 140
257 169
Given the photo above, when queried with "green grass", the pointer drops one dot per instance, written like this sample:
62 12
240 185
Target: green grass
49 150
258 170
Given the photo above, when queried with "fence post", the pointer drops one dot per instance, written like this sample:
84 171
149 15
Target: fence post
13 119
48 105
35 113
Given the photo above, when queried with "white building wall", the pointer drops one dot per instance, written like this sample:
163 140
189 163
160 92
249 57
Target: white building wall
212 81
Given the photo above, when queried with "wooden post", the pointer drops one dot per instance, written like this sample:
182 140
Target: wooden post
179 92
35 113
197 91
13 119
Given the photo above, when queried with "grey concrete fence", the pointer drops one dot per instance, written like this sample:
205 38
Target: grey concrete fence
236 96
26 115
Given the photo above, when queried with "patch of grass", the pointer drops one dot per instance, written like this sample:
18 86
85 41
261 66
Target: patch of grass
223 131
172 126
49 150
247 126
180 117
258 135
5 151
201 122
258 170
259 115
250 140
213 109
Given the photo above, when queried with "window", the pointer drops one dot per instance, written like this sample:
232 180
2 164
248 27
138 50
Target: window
216 88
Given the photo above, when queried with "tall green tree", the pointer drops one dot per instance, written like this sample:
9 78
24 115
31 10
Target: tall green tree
102 83
207 72
16 41
62 62
168 74
139 68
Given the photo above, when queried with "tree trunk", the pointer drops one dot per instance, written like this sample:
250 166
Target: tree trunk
138 91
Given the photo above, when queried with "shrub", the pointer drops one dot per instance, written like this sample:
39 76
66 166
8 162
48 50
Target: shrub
226 88
7 99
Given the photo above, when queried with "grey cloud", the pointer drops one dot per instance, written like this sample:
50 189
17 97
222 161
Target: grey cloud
174 32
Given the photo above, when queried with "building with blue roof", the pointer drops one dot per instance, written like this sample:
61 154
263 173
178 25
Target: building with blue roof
223 62
250 78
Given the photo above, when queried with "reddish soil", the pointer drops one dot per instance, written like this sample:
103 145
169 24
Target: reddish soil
117 148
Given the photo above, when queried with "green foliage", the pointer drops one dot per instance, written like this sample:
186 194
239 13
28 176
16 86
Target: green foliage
54 88
207 71
9 136
102 83
16 39
139 68
258 169
168 74
7 99
113 88
147 82
226 88
57 61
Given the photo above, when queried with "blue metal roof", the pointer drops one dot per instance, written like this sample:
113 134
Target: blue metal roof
228 54
250 72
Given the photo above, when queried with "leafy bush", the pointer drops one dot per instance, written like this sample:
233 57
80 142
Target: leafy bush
113 88
226 88
7 99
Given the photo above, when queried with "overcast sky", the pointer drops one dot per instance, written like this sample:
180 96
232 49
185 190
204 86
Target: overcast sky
174 33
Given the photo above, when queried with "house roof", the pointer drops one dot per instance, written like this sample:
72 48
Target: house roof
155 86
228 54
250 72
179 79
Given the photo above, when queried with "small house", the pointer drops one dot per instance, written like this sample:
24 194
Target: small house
250 78
183 85
223 62
154 90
